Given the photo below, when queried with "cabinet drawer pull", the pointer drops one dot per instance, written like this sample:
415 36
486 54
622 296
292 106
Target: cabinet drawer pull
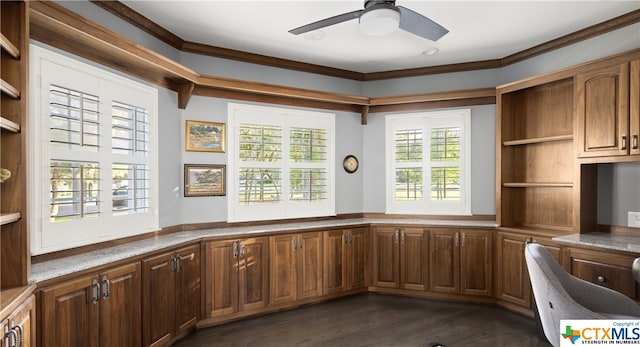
623 143
634 143
601 279
241 250
11 338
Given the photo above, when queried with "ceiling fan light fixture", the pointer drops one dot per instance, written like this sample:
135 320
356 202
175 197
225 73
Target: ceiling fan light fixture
379 21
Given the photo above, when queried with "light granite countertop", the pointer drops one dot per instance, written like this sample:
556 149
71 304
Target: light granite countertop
625 243
59 267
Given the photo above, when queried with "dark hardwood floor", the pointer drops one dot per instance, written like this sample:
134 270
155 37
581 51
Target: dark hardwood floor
376 320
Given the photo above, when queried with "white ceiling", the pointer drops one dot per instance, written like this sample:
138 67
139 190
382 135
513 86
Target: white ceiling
478 30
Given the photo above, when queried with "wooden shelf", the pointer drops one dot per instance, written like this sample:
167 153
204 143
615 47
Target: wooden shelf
6 218
9 47
538 140
8 89
538 185
9 125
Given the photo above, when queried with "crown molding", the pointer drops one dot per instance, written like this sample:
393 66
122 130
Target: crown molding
131 16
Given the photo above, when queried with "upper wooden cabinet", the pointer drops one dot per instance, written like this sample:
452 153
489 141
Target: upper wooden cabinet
607 111
345 255
95 310
236 277
535 155
400 258
460 261
171 300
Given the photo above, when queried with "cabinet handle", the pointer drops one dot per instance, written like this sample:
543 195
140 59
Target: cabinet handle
105 287
634 144
623 144
241 250
457 238
295 242
235 249
20 341
350 237
396 236
463 239
96 290
300 242
402 237
173 264
11 338
346 238
601 279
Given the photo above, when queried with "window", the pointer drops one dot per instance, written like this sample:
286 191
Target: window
281 163
429 163
94 158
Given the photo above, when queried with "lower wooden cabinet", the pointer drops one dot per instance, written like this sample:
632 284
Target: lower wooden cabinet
400 258
460 261
236 276
345 255
171 300
19 326
606 269
512 278
95 310
295 271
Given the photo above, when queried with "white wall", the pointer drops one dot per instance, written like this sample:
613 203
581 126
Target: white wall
483 158
362 191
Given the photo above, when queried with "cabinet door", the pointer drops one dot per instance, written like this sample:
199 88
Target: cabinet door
357 259
634 107
221 287
309 265
512 280
25 318
120 306
602 105
253 273
444 258
335 261
413 259
158 300
475 262
187 289
282 270
385 257
70 313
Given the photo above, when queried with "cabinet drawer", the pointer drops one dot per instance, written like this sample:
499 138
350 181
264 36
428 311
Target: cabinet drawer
618 278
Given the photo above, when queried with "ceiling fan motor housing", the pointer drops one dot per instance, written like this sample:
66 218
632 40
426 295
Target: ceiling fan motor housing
379 18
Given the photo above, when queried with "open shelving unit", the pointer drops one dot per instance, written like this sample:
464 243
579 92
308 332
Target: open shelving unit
536 161
14 42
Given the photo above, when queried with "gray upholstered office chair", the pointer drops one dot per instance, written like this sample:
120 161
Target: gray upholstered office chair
559 295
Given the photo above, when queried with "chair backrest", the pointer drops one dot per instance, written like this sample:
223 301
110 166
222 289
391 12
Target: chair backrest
549 282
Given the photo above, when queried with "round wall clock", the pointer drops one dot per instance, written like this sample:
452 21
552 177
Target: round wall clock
350 163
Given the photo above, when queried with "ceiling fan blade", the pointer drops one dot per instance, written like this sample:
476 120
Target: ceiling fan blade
326 22
420 25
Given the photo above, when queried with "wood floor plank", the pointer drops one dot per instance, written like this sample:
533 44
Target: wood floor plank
376 320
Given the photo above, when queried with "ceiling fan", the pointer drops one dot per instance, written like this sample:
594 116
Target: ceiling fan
381 17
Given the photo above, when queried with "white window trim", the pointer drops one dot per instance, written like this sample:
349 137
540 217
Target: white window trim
426 206
45 236
237 212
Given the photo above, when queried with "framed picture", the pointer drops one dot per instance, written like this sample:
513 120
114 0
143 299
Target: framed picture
204 136
204 180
